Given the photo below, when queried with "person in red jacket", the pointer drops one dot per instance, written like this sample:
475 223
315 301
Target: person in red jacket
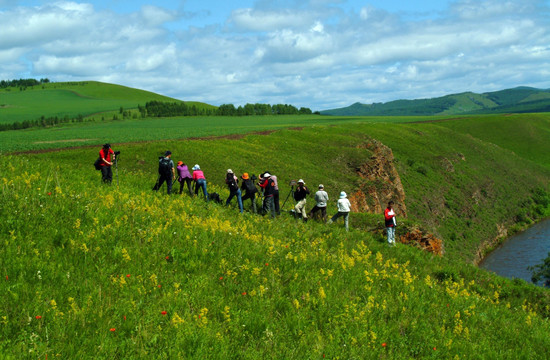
389 217
107 156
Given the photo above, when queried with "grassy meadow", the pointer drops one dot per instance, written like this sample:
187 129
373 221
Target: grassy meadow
94 271
121 272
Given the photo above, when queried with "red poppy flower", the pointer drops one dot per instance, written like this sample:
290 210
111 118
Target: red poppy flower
112 329
38 317
435 348
50 193
158 286
163 312
221 277
128 275
384 344
266 264
124 317
244 293
168 258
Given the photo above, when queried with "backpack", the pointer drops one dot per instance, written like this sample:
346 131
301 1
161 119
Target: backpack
249 186
233 186
97 163
165 168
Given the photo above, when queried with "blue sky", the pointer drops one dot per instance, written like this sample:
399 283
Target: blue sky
319 54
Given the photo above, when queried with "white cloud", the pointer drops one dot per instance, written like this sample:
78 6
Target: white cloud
313 54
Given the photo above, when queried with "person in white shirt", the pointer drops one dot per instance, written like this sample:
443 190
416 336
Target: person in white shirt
321 198
344 207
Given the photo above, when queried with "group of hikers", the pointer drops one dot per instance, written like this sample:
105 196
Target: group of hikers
169 173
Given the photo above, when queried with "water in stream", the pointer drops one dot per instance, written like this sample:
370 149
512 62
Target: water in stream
527 248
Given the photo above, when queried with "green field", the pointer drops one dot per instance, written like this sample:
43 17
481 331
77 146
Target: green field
103 272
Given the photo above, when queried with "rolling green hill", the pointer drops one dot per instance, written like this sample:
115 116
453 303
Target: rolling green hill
517 100
71 99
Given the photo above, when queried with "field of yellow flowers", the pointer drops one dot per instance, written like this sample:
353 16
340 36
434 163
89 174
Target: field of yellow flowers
119 272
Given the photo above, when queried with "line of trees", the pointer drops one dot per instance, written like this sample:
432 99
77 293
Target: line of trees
41 122
167 109
22 83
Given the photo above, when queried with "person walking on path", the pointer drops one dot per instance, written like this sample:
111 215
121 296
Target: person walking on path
344 207
300 197
184 177
249 190
389 217
233 184
321 198
268 185
167 173
200 181
107 156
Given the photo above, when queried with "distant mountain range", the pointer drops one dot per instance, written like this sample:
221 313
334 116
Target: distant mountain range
517 100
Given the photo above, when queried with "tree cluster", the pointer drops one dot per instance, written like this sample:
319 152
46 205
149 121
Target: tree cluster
23 83
166 109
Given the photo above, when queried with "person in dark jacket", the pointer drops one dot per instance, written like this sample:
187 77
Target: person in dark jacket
233 184
268 185
249 190
300 197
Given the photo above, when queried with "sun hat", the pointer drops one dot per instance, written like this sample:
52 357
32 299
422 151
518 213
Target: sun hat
168 152
343 195
180 163
229 171
301 181
266 175
321 186
196 167
245 176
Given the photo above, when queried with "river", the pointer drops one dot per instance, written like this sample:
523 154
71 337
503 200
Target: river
524 249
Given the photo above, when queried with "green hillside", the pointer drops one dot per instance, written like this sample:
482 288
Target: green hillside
517 100
92 271
71 99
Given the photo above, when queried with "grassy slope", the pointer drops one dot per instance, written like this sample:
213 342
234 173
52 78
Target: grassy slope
239 286
71 99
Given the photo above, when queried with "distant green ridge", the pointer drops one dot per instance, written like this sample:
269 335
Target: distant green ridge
517 100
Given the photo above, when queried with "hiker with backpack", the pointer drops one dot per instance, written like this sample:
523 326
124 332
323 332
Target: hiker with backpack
200 181
249 190
233 184
184 177
166 172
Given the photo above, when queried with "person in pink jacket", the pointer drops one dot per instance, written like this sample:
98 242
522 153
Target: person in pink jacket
200 181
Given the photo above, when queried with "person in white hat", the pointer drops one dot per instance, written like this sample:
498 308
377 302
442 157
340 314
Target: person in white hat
300 197
344 207
321 198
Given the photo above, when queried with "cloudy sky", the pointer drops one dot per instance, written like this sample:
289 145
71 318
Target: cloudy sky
320 54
